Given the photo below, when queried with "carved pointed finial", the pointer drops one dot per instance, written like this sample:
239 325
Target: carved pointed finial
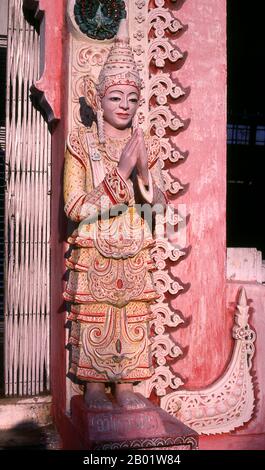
242 300
241 314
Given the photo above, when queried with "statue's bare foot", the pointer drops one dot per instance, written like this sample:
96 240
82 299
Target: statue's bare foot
98 401
128 399
96 398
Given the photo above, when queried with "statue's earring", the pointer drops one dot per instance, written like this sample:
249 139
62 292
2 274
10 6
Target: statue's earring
100 122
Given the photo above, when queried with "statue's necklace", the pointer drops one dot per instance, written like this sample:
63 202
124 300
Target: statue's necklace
114 147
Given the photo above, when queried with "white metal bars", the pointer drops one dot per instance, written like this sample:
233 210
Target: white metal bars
27 218
3 45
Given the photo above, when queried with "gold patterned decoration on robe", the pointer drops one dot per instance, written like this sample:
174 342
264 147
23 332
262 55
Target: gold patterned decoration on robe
110 286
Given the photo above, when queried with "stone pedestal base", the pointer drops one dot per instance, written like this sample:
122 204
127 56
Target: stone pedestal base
119 428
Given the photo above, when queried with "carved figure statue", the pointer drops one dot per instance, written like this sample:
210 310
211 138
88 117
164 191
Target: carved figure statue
108 168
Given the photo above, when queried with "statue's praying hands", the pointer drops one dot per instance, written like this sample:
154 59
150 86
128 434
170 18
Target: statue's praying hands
134 156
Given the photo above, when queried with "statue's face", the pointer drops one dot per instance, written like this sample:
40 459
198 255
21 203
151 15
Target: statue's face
119 105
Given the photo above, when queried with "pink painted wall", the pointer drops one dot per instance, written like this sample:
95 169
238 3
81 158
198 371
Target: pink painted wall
204 71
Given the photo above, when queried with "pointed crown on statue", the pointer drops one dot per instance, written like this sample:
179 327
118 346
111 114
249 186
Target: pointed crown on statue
120 67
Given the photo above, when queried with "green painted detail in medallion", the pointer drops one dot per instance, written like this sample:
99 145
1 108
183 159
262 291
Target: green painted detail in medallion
99 19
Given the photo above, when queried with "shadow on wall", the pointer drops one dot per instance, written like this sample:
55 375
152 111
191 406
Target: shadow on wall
29 436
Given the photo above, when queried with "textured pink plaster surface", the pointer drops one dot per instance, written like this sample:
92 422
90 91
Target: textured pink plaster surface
204 71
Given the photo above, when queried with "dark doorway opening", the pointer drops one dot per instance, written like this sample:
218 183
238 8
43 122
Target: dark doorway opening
246 127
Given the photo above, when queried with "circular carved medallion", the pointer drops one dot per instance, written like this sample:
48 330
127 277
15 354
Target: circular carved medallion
99 19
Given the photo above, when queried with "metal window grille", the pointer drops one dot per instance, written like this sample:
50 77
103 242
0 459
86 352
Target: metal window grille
27 217
260 135
3 45
238 134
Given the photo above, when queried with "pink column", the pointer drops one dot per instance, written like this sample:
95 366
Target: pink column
207 337
50 92
48 89
57 27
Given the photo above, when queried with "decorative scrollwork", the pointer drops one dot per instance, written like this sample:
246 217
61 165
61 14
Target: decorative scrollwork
159 382
170 217
161 19
241 328
169 152
138 35
161 86
164 283
88 56
161 443
161 118
164 379
140 17
172 186
229 402
138 50
140 3
161 50
162 347
163 251
164 316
